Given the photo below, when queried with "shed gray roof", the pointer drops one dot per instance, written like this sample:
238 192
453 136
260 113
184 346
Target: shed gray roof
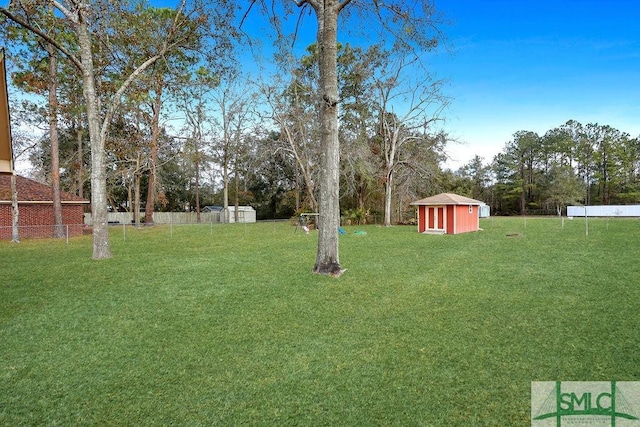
447 199
213 208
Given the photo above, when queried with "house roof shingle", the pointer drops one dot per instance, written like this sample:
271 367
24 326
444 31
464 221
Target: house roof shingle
32 191
447 199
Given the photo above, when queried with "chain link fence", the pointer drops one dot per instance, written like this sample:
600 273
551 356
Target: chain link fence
43 231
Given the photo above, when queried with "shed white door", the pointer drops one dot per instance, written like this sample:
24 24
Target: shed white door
435 216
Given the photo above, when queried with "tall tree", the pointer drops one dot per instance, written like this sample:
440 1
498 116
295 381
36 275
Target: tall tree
156 107
357 71
34 77
405 26
58 231
583 149
195 95
327 11
480 176
234 102
521 156
293 112
510 170
422 103
609 144
161 83
629 173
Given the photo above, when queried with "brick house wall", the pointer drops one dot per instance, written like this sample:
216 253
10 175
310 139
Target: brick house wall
35 208
36 221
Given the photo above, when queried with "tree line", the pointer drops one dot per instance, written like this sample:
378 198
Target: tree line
136 100
144 109
257 143
574 163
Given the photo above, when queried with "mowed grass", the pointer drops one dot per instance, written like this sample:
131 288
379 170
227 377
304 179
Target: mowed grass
228 326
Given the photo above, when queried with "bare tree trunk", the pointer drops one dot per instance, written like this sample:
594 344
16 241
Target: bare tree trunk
523 200
15 212
302 165
129 206
153 158
197 187
309 187
225 191
136 203
58 230
237 187
80 161
297 188
361 193
327 260
388 191
98 181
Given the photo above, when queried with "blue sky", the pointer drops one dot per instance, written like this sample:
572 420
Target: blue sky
527 65
533 65
530 65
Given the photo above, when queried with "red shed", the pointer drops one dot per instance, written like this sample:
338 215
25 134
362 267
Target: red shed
448 213
35 209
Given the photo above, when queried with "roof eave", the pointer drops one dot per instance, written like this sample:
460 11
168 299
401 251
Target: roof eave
46 202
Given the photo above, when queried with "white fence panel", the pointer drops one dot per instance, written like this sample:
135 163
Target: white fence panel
185 217
606 211
160 217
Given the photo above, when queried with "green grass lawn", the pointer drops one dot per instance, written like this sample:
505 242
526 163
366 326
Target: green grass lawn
228 326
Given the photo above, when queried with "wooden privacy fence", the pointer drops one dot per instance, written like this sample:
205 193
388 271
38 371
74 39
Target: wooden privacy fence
160 218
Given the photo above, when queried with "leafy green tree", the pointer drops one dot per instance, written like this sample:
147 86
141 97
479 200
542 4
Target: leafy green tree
37 78
479 175
360 161
235 105
517 167
194 96
507 186
273 181
584 157
563 188
611 151
628 177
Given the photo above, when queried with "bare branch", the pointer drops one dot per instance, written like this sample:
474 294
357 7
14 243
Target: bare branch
252 3
298 22
343 5
116 99
301 3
